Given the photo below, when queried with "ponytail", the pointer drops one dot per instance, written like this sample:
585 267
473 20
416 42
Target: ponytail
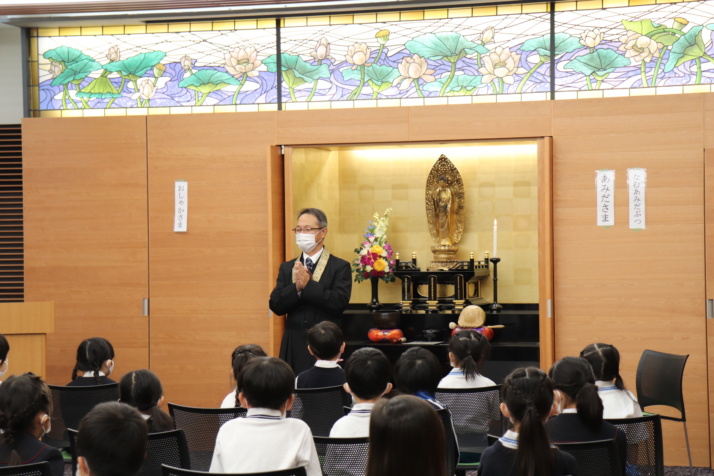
142 390
534 456
470 349
589 406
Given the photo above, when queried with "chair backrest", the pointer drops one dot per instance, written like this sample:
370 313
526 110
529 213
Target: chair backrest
172 471
595 458
452 446
34 469
320 408
200 426
644 444
475 412
166 447
70 404
659 381
342 456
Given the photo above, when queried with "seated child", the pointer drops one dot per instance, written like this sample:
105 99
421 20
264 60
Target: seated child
142 390
25 407
368 374
528 402
467 352
617 401
326 343
241 355
418 372
265 440
111 441
4 349
95 361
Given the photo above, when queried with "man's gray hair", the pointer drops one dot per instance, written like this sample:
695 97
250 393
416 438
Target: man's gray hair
317 213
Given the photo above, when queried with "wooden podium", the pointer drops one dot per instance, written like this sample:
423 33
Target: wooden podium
25 325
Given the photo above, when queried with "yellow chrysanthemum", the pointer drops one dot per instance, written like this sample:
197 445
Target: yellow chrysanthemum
380 265
377 250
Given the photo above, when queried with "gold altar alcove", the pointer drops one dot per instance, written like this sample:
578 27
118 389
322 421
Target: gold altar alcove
352 182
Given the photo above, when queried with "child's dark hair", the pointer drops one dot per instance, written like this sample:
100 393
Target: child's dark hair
92 353
605 361
112 438
397 445
325 339
22 397
574 377
528 395
142 389
417 370
469 349
241 355
4 348
368 372
266 382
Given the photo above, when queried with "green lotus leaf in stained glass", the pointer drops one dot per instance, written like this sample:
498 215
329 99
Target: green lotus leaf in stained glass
208 80
600 62
710 26
76 72
564 43
296 71
379 77
461 84
136 66
450 46
643 27
101 87
66 55
690 46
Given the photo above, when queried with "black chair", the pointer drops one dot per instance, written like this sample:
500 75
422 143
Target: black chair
171 471
35 469
452 446
645 456
595 458
200 426
342 456
166 447
320 408
70 404
659 382
476 413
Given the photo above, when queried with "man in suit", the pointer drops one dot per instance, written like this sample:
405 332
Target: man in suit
310 289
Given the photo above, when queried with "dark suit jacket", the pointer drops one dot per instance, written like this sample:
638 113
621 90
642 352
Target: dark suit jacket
32 450
319 301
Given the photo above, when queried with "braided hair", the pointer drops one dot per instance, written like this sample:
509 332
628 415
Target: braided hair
241 355
142 389
470 349
528 395
574 377
605 361
22 397
92 353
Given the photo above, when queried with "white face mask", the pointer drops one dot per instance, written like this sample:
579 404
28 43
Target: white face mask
306 241
110 367
46 425
5 364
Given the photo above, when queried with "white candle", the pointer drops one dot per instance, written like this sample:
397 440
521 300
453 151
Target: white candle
495 238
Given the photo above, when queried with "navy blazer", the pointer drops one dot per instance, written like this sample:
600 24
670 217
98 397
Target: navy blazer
32 450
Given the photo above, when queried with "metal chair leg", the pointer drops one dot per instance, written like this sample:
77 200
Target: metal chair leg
689 453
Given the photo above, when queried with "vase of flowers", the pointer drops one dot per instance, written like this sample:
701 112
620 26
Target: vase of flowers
375 257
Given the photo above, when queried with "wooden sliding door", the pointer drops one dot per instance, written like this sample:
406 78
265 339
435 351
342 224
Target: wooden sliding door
86 235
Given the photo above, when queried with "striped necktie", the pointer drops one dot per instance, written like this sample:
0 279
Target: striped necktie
310 265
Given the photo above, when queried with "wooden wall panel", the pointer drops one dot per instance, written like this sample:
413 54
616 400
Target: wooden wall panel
709 250
276 234
209 286
86 235
634 289
545 251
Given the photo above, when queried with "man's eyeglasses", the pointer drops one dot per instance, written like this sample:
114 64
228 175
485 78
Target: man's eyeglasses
307 230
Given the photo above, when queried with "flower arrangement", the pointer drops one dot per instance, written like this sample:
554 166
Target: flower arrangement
375 255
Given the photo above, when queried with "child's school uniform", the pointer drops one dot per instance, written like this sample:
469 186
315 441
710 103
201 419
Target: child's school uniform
499 459
32 450
457 379
230 400
264 441
88 380
355 424
617 403
325 373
